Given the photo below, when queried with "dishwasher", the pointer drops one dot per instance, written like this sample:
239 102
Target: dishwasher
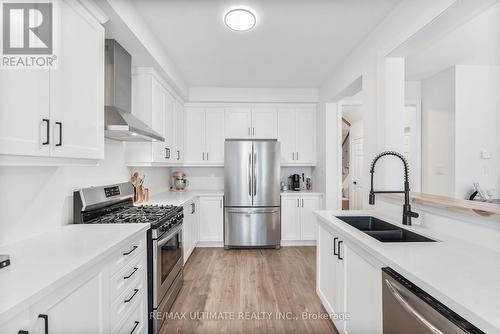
410 310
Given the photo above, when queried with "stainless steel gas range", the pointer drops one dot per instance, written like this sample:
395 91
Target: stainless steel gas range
113 204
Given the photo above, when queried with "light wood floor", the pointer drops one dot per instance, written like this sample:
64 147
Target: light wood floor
254 281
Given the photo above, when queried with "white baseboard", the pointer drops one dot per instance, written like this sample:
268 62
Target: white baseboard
298 242
210 244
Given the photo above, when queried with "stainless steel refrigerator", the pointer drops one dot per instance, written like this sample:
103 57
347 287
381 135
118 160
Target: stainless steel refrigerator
252 193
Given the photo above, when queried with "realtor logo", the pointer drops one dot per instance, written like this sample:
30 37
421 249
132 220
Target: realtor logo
27 35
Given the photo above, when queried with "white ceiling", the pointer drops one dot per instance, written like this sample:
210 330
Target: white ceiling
473 43
296 43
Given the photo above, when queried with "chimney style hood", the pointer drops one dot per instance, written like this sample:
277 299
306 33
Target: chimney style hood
119 122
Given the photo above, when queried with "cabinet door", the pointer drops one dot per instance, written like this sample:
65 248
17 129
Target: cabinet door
238 122
325 268
179 124
211 218
194 121
286 134
305 135
363 300
290 222
214 135
170 129
77 86
24 104
158 122
81 310
187 234
195 219
308 224
20 322
264 123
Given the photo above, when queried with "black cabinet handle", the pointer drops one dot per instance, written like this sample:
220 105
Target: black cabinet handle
135 326
23 332
132 273
130 251
60 133
193 208
355 182
47 133
167 153
178 155
334 245
338 255
45 318
131 297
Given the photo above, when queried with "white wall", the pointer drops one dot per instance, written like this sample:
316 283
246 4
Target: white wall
367 61
35 199
438 133
477 117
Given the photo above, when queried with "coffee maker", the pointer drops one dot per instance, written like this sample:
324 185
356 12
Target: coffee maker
295 182
179 181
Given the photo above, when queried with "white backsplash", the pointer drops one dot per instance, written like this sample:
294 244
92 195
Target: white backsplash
204 178
36 199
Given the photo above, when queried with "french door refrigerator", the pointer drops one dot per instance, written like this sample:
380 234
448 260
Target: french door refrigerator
252 193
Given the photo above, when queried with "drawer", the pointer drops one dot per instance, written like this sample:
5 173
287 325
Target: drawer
127 301
125 277
135 321
127 252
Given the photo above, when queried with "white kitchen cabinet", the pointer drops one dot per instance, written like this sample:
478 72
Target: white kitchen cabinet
297 134
348 282
290 218
309 204
211 220
264 123
58 112
204 137
94 300
153 104
363 293
298 223
80 310
257 122
238 122
190 228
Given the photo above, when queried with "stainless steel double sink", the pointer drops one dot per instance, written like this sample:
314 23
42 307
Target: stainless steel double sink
381 230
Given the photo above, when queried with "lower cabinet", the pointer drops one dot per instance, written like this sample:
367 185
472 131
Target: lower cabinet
349 284
190 228
110 297
298 223
211 220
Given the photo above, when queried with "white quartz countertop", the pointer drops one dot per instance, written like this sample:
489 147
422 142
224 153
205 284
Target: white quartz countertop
41 264
463 276
180 198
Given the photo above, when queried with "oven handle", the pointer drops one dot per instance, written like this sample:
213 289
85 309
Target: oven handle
166 237
410 309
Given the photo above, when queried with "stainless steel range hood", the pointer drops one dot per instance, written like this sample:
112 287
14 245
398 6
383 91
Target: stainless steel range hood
119 122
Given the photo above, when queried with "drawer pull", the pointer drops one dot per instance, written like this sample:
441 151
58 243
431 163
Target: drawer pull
133 249
23 332
136 323
45 318
132 273
131 297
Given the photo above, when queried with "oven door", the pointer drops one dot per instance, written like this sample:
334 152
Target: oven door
167 262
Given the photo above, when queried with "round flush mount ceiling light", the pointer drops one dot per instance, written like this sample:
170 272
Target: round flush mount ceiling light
240 19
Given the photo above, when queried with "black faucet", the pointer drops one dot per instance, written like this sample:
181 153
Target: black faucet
407 213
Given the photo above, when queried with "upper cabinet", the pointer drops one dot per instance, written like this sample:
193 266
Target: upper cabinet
251 122
56 116
297 134
153 104
204 136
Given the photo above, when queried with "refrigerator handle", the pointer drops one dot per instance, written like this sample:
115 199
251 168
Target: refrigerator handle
250 174
254 175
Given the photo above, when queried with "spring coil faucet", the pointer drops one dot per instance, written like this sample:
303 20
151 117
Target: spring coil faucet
407 213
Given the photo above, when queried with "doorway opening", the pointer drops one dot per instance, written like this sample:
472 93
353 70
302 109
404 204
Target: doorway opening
351 153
